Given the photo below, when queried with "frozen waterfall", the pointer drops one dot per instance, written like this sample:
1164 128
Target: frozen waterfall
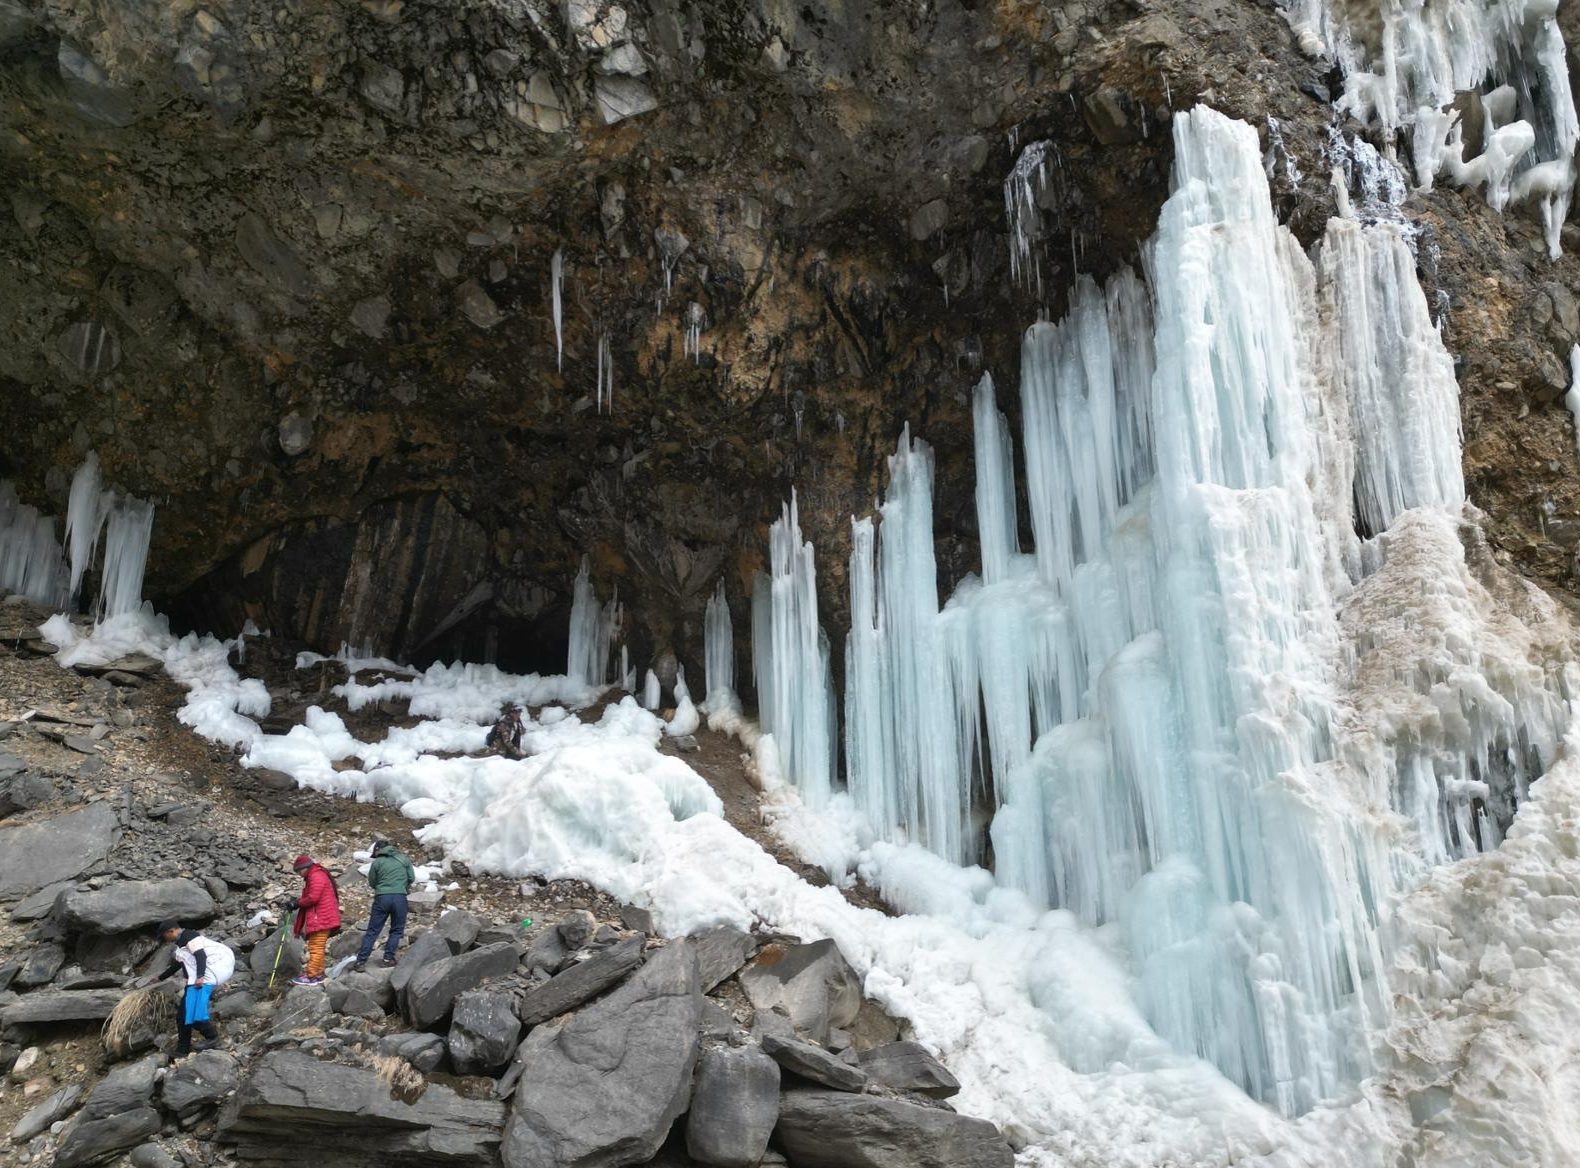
1197 710
592 631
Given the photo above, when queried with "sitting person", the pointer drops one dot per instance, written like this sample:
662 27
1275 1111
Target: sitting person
505 737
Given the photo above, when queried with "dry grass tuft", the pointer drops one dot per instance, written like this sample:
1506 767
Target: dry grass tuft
405 1082
136 1018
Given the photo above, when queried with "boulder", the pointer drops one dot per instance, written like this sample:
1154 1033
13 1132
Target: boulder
813 984
88 1141
906 1066
422 952
366 994
125 1088
484 1032
604 1089
60 1006
302 1008
41 903
831 1129
734 1106
721 952
278 955
39 1118
459 928
580 983
46 852
547 954
431 993
423 1051
293 1109
152 1156
198 1082
577 929
23 790
41 965
135 904
813 1063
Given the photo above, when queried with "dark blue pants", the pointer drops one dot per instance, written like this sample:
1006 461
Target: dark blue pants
387 906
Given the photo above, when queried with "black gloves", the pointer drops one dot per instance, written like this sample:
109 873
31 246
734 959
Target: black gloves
290 905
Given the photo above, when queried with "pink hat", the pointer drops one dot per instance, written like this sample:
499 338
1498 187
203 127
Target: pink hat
302 862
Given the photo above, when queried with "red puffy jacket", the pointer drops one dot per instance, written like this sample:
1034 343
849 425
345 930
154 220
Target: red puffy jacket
318 908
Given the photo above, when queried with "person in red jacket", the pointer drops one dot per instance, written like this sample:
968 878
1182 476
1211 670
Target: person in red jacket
317 916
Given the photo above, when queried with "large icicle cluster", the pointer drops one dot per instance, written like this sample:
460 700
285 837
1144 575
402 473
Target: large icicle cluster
718 649
34 564
1168 725
1482 86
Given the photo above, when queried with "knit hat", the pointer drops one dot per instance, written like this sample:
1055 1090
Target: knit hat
380 847
302 862
166 926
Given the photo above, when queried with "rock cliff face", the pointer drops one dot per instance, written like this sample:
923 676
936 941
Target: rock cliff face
289 268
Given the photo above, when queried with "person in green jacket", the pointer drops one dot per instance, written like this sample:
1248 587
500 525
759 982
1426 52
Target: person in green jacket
391 877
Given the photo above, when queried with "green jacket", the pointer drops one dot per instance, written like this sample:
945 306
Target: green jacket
391 872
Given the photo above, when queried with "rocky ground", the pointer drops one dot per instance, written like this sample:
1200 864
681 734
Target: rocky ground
485 1042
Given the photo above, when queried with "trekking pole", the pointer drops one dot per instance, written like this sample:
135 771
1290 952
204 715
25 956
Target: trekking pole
278 949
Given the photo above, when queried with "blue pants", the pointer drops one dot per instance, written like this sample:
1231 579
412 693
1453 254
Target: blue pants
387 906
194 1016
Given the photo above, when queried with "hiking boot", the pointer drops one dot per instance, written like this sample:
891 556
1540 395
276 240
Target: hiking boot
359 966
305 980
210 1044
387 961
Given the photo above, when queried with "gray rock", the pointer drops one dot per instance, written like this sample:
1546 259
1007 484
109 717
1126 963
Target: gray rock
294 1109
577 929
383 87
90 346
355 993
36 855
125 1088
370 317
42 964
24 791
135 904
929 219
38 1119
604 1089
303 1008
88 1141
813 1063
296 435
271 257
734 1106
830 1129
431 993
41 903
477 305
460 928
423 1051
198 1082
547 954
484 1032
60 1006
422 952
153 1156
544 108
262 960
580 983
619 98
639 920
813 984
906 1066
721 952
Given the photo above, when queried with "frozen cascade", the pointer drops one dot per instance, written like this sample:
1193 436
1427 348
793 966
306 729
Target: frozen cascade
718 644
127 534
1572 398
592 631
790 659
1411 66
85 514
1158 694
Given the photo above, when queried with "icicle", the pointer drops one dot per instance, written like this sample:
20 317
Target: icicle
31 562
995 483
1024 191
604 389
85 516
694 322
127 535
591 631
652 692
1572 398
557 275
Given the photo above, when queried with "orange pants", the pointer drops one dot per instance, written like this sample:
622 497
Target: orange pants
317 943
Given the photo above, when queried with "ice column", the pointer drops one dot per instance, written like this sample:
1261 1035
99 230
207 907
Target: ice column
795 697
85 515
995 460
591 631
1404 401
126 538
557 274
31 562
718 644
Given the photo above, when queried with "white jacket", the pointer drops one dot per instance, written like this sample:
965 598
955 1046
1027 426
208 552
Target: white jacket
219 961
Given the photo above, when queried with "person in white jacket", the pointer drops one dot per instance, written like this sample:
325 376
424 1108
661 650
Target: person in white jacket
206 964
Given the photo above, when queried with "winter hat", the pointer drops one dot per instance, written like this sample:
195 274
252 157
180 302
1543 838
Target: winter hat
166 926
302 862
380 847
